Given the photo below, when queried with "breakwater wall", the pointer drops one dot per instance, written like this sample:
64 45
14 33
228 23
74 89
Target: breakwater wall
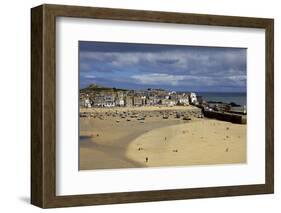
224 116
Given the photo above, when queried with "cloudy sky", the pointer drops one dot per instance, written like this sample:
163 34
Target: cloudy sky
172 67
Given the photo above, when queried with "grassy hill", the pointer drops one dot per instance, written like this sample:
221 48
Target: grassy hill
99 88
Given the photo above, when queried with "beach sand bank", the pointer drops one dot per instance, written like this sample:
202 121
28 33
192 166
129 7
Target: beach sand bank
108 141
201 142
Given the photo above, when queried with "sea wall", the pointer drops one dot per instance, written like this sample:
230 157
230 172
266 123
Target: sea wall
223 116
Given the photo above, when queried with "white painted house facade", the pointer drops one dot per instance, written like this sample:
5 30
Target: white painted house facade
193 98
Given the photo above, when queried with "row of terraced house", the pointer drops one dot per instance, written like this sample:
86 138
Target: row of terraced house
136 98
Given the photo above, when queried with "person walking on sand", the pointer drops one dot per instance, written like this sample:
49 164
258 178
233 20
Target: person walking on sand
146 159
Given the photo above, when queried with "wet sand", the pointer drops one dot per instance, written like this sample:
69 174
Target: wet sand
108 140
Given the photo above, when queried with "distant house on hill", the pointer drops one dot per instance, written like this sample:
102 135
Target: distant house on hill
128 101
193 98
85 103
168 102
143 100
98 101
149 101
120 94
152 100
137 101
109 101
183 100
119 101
103 101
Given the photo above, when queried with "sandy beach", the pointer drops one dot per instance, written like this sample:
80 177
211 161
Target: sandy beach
140 137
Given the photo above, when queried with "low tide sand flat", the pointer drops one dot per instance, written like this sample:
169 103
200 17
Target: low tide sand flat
196 143
153 141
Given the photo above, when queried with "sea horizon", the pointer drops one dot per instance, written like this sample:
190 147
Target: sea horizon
225 97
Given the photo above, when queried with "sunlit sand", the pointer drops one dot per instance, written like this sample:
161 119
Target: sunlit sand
110 141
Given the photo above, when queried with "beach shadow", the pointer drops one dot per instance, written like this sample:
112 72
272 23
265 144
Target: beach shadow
118 152
25 200
119 155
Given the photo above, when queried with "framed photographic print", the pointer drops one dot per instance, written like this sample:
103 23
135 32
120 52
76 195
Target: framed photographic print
136 106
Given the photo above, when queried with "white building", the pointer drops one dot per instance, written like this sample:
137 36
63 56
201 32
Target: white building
172 103
119 102
85 103
193 98
168 102
109 101
184 100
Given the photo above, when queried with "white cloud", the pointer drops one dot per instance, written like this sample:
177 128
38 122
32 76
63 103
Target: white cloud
158 79
238 80
89 76
181 59
177 80
173 80
237 77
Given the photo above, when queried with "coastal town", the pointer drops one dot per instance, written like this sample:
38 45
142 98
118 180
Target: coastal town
96 96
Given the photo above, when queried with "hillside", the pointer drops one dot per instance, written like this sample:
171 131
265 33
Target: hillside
99 88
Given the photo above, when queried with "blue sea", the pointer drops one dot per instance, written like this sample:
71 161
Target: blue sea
226 97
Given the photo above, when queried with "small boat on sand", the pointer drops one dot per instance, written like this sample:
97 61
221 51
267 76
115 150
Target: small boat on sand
186 118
